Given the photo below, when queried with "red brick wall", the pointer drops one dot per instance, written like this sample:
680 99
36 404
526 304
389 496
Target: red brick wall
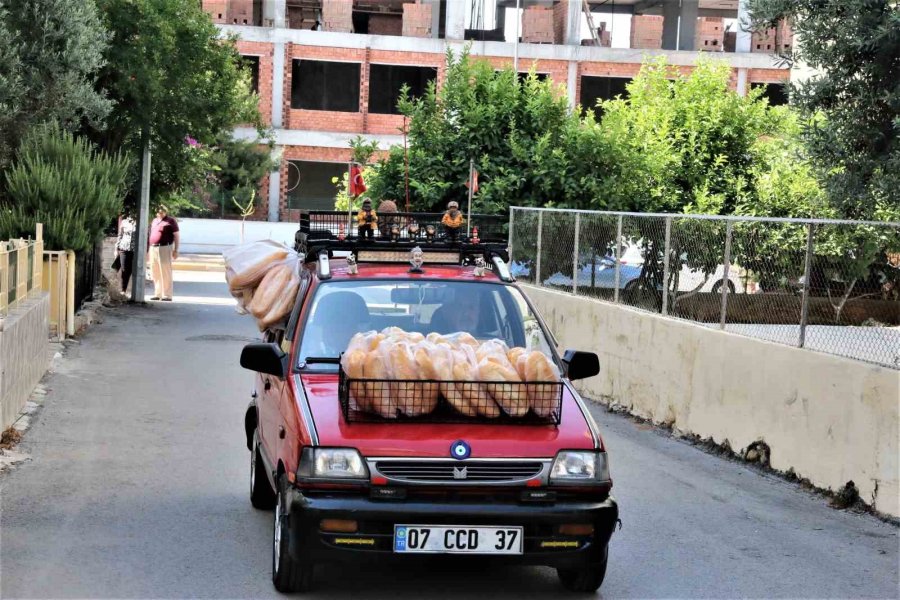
560 21
217 9
386 25
417 20
240 12
537 25
769 76
776 39
710 34
264 51
646 32
337 15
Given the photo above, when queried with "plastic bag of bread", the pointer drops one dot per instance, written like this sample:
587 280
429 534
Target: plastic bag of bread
543 397
515 356
412 397
436 360
401 335
491 347
353 363
378 394
465 373
247 264
275 296
462 338
494 368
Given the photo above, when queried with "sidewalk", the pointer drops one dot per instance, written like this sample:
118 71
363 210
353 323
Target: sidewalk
199 262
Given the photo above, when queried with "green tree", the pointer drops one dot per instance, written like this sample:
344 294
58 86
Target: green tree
65 183
50 52
170 74
854 47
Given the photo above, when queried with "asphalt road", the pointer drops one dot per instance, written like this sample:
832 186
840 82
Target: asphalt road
137 487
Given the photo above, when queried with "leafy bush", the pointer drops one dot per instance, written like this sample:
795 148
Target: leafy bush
65 183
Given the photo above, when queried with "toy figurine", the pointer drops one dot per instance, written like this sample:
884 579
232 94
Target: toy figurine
452 221
416 260
480 266
367 220
352 268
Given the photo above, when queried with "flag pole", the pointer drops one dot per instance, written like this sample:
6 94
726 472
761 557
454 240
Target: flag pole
471 185
349 199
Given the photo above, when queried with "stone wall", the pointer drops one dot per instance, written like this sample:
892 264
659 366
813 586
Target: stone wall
24 354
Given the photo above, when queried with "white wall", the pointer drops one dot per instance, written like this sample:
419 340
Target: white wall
24 354
828 418
213 236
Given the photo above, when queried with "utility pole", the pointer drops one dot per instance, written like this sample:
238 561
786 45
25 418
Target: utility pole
143 217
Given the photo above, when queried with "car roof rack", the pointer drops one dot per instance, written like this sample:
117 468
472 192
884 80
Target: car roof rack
322 233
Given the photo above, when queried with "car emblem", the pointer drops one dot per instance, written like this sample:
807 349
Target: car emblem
460 450
460 472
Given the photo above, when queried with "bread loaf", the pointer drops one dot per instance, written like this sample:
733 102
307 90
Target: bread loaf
441 369
514 355
542 397
269 290
494 368
254 272
378 396
284 303
473 392
413 398
353 363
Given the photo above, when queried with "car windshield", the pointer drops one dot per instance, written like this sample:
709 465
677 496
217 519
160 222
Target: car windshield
341 309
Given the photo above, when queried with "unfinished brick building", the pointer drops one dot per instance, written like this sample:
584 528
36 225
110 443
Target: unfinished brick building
328 70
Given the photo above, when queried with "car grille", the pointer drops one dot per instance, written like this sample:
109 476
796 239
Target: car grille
466 470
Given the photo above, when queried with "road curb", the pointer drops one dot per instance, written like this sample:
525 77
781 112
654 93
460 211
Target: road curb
197 267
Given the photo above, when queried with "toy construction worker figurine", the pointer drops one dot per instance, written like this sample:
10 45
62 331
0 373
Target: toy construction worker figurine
452 221
367 220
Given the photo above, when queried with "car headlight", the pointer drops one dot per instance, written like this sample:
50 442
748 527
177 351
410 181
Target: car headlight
580 466
332 463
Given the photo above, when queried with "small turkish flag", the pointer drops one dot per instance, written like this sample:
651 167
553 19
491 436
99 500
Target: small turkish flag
357 185
474 182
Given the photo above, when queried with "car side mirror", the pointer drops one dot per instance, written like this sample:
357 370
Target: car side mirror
581 365
264 358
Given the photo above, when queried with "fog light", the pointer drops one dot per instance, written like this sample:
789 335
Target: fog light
338 525
576 529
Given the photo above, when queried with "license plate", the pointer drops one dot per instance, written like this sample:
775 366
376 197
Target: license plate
457 539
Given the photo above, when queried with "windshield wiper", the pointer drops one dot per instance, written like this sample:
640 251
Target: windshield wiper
322 360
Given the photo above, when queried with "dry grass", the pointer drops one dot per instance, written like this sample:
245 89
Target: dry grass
9 438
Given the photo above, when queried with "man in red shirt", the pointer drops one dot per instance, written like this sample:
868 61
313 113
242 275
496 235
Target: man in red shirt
164 238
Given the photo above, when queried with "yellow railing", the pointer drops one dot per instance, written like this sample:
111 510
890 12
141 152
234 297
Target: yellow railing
21 265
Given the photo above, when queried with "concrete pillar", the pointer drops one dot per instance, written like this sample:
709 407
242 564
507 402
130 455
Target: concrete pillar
573 23
680 24
278 51
435 17
572 84
275 13
455 27
741 87
744 38
274 193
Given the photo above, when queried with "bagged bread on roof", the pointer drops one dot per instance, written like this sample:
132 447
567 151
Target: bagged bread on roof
543 397
465 372
494 368
274 298
247 264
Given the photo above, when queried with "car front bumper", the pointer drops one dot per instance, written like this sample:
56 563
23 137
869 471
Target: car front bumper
374 538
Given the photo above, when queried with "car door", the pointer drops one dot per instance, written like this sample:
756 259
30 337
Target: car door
268 400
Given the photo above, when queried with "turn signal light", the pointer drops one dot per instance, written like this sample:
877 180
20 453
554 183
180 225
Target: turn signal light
576 529
338 525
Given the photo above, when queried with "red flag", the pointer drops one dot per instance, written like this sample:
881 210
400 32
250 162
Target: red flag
357 185
474 182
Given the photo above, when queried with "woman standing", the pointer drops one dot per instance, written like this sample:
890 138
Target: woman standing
125 246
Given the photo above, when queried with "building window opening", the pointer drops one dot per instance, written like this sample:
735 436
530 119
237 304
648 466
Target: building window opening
386 81
251 63
321 85
309 184
601 88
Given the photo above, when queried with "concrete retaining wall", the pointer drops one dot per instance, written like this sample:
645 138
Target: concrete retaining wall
830 419
213 236
24 354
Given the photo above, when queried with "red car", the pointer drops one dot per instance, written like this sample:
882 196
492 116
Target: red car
514 490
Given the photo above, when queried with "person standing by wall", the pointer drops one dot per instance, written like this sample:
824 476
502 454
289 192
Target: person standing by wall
164 238
125 246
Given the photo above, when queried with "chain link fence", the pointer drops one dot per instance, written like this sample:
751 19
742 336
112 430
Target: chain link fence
831 286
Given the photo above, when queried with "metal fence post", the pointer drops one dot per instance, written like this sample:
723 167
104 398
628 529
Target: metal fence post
509 248
807 269
537 264
575 255
618 259
726 268
665 285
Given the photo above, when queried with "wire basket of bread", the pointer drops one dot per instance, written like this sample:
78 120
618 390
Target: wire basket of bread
264 278
398 375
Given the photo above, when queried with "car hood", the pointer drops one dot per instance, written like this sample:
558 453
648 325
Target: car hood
434 440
